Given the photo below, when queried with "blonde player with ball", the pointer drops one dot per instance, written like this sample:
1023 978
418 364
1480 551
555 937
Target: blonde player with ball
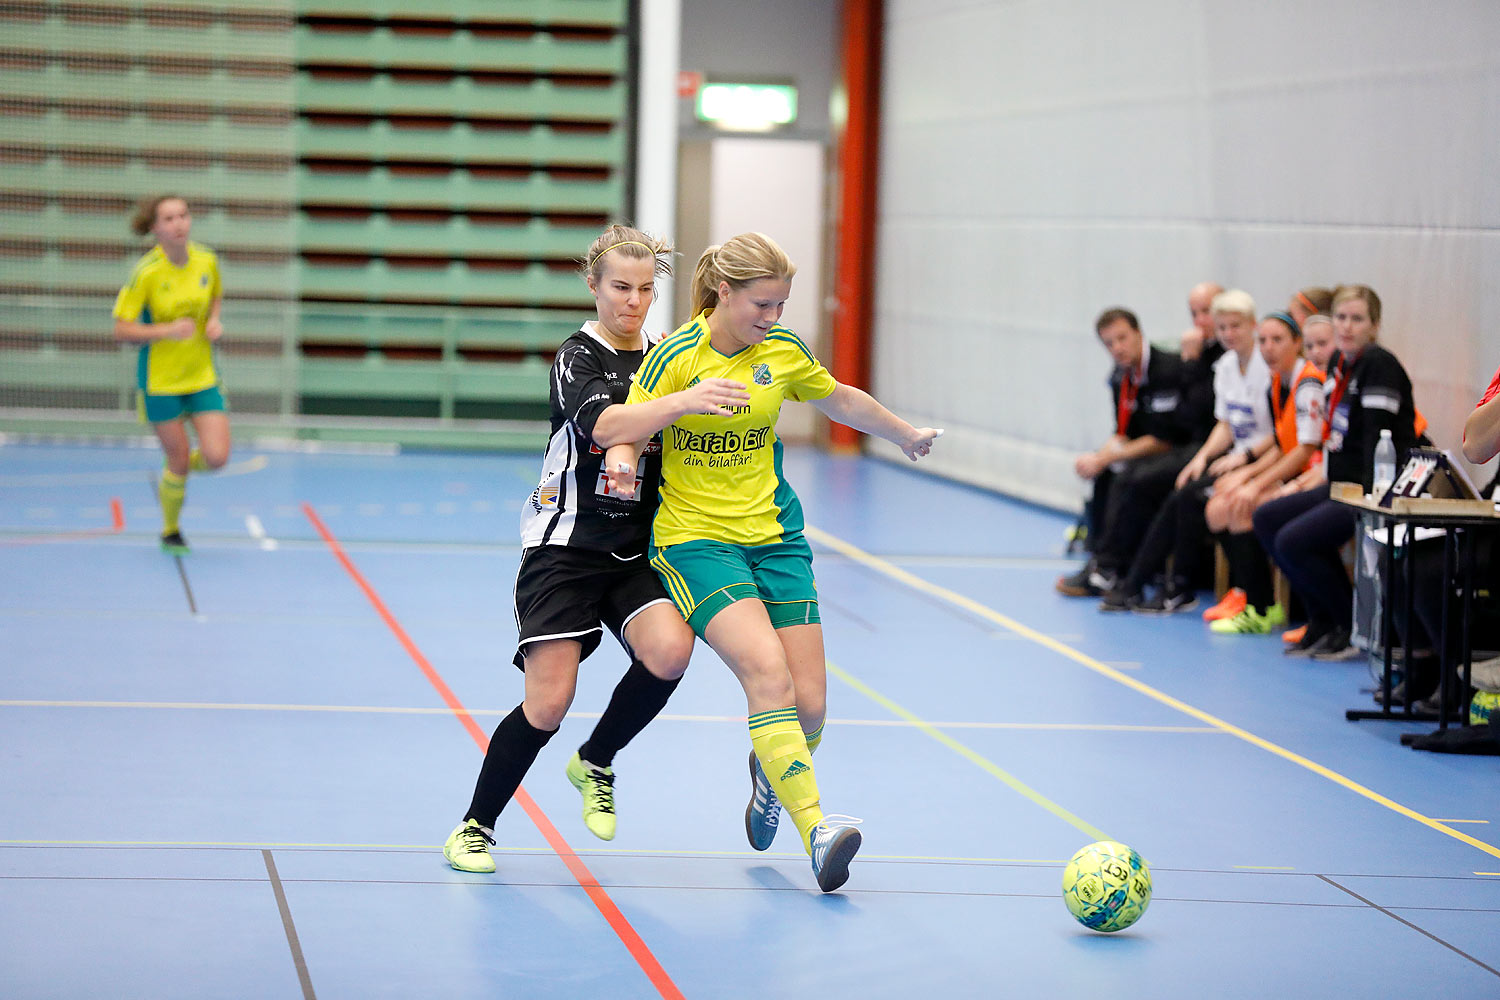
727 539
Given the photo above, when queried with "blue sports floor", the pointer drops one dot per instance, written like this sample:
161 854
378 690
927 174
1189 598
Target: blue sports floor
231 777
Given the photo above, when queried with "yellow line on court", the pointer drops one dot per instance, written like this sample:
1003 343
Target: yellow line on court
1460 820
974 607
665 717
982 762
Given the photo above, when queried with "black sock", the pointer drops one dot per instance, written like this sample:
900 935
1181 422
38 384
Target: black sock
1255 570
512 750
638 698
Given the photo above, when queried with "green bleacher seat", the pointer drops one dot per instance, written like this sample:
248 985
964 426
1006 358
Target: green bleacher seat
456 190
461 51
459 142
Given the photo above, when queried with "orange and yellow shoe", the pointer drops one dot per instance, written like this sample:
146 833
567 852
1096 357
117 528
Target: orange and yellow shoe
1230 605
1294 635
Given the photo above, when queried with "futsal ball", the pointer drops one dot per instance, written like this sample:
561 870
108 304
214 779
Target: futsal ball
1482 708
1107 886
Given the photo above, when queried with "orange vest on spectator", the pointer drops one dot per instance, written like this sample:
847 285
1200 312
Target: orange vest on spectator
1284 411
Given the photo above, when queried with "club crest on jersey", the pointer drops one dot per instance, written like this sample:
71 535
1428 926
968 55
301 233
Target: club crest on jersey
203 281
761 374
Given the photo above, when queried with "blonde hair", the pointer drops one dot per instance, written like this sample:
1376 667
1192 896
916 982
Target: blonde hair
1235 301
629 242
1365 294
143 219
739 261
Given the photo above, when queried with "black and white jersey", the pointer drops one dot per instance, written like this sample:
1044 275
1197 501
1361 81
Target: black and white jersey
570 505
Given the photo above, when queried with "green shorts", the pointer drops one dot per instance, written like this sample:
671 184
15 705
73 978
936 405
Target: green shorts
159 409
705 577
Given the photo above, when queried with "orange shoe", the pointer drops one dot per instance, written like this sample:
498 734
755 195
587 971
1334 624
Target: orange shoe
1230 605
1294 635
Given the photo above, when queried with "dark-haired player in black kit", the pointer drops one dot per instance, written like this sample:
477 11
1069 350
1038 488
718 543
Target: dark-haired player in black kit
583 562
1135 469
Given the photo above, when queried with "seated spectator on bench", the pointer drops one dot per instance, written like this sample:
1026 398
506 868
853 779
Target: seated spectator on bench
1201 334
1367 391
1242 431
1134 468
1310 301
1296 401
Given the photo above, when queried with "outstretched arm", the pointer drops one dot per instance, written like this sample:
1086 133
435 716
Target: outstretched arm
622 423
1482 432
863 412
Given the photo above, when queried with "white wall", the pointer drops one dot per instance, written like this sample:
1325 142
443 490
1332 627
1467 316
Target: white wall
1041 161
774 186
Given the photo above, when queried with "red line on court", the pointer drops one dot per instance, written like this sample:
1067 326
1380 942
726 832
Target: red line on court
590 885
117 517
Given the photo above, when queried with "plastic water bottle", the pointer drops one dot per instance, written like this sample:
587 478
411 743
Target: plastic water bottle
1385 464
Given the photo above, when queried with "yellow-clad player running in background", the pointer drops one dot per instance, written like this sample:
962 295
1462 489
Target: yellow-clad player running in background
170 306
727 539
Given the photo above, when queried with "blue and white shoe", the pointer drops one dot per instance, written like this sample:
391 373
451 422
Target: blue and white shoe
835 841
763 814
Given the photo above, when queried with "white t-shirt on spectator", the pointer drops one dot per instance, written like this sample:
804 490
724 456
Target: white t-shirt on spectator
1243 399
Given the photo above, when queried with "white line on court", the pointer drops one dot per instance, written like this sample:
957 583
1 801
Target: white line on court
665 717
252 464
258 532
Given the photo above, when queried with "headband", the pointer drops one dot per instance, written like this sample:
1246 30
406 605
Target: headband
623 243
1317 318
1307 302
1287 319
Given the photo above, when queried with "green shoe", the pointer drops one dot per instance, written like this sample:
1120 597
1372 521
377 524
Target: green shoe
1276 615
173 544
1247 622
598 787
468 848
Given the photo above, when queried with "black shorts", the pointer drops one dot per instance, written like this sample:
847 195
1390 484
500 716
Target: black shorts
567 593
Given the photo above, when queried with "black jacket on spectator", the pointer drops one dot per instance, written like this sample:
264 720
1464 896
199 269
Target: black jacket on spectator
1377 396
1197 412
1158 399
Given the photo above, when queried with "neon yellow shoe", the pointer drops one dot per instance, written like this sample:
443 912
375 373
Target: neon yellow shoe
468 848
1276 615
1247 622
598 787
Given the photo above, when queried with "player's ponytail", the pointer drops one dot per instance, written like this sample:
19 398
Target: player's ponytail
739 261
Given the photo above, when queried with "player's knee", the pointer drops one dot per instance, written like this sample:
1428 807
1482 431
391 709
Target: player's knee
770 687
546 710
215 458
667 657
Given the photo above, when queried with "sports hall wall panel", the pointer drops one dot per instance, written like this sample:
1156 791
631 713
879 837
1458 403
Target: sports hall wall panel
1040 162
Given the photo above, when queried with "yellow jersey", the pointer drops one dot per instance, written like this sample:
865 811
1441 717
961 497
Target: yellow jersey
159 292
721 476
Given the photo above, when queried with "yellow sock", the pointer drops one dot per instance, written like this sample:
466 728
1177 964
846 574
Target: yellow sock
171 492
814 738
783 754
195 461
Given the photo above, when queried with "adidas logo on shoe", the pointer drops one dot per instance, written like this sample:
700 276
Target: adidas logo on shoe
797 768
